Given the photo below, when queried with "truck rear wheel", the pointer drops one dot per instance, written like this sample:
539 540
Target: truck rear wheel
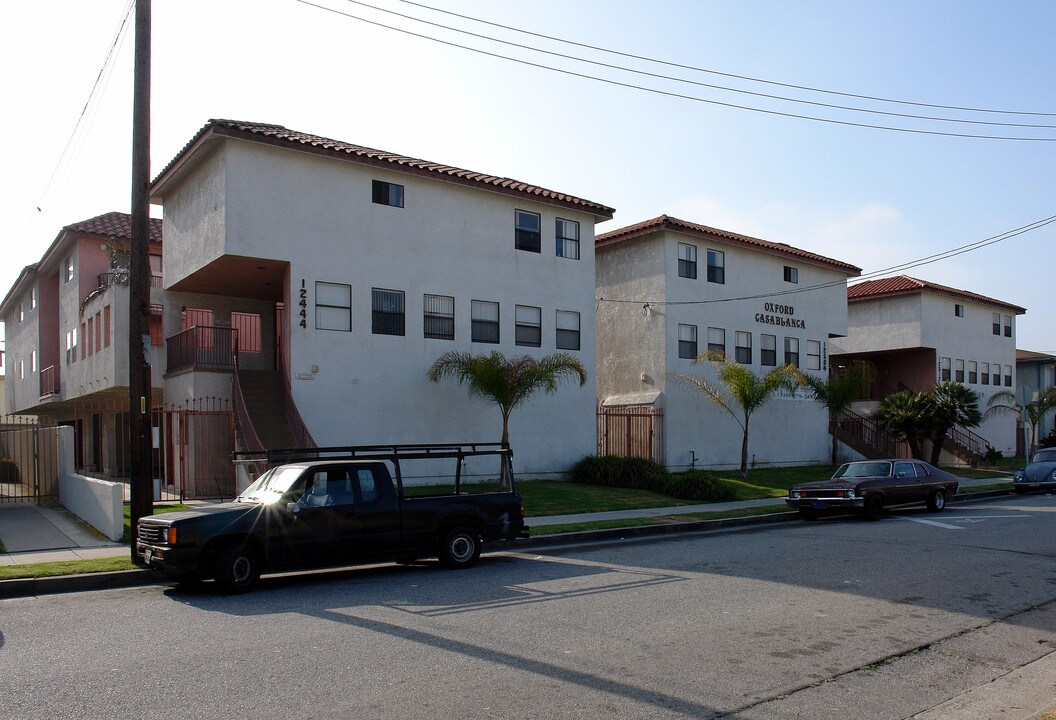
459 548
236 568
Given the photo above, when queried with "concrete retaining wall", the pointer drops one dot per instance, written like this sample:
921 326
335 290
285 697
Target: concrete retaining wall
97 502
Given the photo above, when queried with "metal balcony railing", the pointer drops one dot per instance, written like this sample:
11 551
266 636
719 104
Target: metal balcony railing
120 277
205 347
49 381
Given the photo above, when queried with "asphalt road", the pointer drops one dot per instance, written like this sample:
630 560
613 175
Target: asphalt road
840 618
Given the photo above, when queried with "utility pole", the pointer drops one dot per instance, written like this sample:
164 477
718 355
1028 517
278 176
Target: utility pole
139 390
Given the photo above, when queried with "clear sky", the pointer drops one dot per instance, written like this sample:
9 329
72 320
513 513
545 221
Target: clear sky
875 198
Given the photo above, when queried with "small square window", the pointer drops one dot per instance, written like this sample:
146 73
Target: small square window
567 330
717 267
687 341
386 193
528 326
958 310
567 234
485 321
387 312
528 231
439 317
687 261
791 274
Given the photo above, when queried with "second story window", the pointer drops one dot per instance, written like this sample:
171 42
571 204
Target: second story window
21 313
333 306
528 231
813 355
768 350
792 351
33 299
68 270
386 193
386 312
791 274
1008 326
485 321
687 261
742 348
687 341
717 341
528 329
958 310
567 232
439 317
567 330
717 267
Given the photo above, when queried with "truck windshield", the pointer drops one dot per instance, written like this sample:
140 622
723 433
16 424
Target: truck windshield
272 485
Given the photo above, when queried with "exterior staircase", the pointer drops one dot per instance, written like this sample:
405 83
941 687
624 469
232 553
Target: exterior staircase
865 437
263 393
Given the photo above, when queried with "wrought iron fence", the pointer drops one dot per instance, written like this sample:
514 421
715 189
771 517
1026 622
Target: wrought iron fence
201 347
29 460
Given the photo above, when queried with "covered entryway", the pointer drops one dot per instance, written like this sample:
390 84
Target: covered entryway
632 426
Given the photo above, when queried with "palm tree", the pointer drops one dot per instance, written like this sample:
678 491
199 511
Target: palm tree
839 392
507 382
1004 401
739 391
954 404
907 416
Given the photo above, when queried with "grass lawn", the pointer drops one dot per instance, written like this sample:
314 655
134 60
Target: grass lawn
771 482
68 567
984 488
979 472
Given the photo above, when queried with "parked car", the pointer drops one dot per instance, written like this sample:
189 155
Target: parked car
870 486
332 512
1040 474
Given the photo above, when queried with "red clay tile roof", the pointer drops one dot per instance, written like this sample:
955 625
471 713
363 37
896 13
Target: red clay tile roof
113 223
666 222
280 136
905 285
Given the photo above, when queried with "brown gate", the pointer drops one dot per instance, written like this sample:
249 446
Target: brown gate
29 460
631 431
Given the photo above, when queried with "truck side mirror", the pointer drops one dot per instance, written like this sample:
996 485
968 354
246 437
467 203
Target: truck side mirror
293 508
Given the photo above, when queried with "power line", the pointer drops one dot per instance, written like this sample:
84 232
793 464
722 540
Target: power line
656 91
726 74
927 260
659 76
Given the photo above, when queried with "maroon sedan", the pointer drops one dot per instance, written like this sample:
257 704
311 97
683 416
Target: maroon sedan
869 486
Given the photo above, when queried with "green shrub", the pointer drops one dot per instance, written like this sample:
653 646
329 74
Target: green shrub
992 455
697 485
612 471
1049 440
8 471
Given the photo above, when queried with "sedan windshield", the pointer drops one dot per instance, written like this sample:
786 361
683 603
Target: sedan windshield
1045 456
863 469
272 485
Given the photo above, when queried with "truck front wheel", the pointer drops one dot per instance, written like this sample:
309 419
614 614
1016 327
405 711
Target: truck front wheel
236 568
459 548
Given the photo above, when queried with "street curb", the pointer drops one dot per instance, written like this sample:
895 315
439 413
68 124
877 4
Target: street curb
29 587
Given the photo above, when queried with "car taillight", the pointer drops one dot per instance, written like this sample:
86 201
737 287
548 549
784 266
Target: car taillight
522 510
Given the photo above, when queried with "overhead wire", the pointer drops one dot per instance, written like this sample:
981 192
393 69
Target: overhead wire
683 96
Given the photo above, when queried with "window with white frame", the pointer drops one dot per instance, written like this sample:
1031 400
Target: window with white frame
742 347
813 355
567 323
1008 325
69 346
958 310
958 370
68 270
792 351
528 231
717 341
996 323
768 350
528 325
1008 376
387 312
687 341
33 298
791 274
944 369
33 361
984 373
973 372
566 233
333 306
687 261
484 317
438 319
995 379
386 193
717 267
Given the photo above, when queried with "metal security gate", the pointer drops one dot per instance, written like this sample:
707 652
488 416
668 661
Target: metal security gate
29 460
631 432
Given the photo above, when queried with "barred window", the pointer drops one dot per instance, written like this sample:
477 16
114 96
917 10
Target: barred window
387 312
438 318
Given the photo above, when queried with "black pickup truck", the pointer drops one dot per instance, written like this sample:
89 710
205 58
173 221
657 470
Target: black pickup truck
332 512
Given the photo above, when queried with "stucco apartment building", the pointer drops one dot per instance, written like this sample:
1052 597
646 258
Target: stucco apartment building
919 333
351 270
668 289
1035 374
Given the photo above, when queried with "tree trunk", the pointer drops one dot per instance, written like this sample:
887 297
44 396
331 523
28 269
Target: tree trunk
936 448
914 447
835 443
744 454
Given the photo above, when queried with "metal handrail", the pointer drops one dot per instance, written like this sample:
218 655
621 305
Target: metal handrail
49 381
200 346
869 432
245 423
967 440
301 434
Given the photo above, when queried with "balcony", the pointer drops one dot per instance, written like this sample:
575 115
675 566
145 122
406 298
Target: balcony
120 277
201 348
49 381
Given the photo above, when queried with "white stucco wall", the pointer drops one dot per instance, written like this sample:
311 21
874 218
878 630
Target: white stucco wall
879 325
448 239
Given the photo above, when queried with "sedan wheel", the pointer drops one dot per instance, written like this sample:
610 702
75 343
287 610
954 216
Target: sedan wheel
937 501
874 508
